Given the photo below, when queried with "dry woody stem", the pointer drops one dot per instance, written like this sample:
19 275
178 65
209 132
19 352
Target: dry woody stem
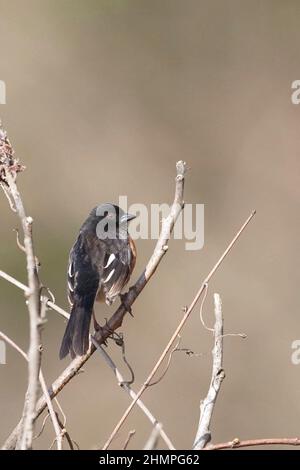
203 435
9 168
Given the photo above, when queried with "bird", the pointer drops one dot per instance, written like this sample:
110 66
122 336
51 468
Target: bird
100 265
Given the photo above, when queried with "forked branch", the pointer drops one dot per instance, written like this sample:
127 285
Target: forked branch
9 168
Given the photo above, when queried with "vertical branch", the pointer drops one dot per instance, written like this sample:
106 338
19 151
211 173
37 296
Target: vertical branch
9 167
203 435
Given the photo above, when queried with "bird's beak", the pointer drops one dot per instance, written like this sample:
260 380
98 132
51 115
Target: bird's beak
127 217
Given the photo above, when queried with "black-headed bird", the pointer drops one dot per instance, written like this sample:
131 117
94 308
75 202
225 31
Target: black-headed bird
100 264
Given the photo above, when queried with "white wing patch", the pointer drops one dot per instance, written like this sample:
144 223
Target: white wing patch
109 276
71 282
109 261
70 271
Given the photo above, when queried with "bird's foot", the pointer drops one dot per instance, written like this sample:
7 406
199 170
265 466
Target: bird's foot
116 337
99 333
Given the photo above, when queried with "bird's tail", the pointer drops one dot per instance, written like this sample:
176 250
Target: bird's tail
76 337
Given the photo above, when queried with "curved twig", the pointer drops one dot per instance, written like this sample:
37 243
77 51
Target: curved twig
126 387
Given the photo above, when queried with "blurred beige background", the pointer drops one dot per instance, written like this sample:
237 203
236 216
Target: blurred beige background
102 98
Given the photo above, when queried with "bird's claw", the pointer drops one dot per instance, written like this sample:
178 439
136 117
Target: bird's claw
100 334
124 302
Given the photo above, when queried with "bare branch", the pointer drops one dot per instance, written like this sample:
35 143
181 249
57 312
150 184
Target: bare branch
152 442
186 315
203 434
126 387
13 345
19 244
9 169
201 310
43 299
53 415
64 432
129 437
237 444
44 388
15 282
42 427
175 349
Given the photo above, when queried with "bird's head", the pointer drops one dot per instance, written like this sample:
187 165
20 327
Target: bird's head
111 220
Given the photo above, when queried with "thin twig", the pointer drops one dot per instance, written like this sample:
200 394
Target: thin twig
42 427
62 412
13 345
201 310
129 437
64 432
15 282
236 443
126 387
203 434
25 289
53 415
19 244
176 348
117 318
118 338
176 333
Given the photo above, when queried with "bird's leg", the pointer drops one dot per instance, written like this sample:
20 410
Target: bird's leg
124 302
116 337
97 327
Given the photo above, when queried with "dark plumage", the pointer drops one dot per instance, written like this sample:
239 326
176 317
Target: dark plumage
100 264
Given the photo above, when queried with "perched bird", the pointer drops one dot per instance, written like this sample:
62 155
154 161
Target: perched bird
100 264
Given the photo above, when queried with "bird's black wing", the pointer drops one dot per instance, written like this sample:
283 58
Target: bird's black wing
83 273
83 283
